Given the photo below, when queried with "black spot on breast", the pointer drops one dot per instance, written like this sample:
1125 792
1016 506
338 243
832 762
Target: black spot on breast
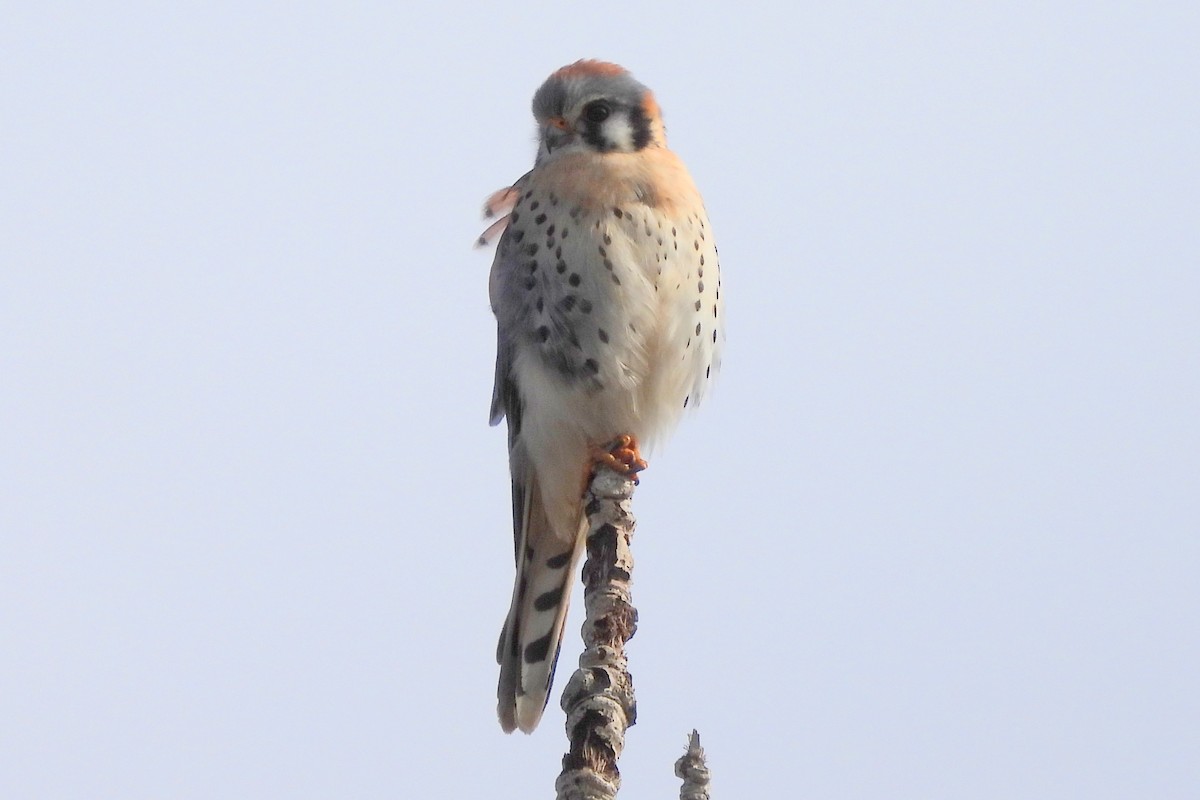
590 367
700 287
531 249
534 205
603 334
618 213
518 235
697 305
543 334
540 219
559 561
550 232
567 303
541 305
513 217
574 279
714 336
697 328
585 306
560 267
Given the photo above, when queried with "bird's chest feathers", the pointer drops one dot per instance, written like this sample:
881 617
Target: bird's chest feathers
594 182
599 236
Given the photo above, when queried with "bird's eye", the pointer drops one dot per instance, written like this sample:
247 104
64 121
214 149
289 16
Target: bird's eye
596 112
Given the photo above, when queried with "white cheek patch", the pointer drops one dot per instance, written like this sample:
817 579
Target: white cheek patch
619 133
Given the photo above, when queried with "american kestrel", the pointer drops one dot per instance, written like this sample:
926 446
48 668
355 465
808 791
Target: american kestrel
607 297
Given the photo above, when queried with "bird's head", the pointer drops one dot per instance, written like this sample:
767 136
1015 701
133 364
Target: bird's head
597 107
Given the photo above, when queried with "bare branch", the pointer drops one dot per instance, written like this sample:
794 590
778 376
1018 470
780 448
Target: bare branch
692 768
599 700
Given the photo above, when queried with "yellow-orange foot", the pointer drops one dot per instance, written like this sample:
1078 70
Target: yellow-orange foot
621 456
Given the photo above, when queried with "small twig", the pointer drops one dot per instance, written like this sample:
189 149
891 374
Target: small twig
692 768
599 700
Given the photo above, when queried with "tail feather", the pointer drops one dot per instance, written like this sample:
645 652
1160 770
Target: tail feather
532 633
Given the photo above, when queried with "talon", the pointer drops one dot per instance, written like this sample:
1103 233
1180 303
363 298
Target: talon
621 456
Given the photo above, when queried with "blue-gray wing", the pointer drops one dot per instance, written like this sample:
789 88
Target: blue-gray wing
504 292
506 299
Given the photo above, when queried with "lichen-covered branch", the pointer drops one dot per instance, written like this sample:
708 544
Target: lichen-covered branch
692 768
599 700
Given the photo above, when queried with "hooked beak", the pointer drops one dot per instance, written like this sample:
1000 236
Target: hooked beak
555 132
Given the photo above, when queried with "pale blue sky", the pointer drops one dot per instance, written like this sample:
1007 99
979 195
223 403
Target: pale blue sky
934 536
